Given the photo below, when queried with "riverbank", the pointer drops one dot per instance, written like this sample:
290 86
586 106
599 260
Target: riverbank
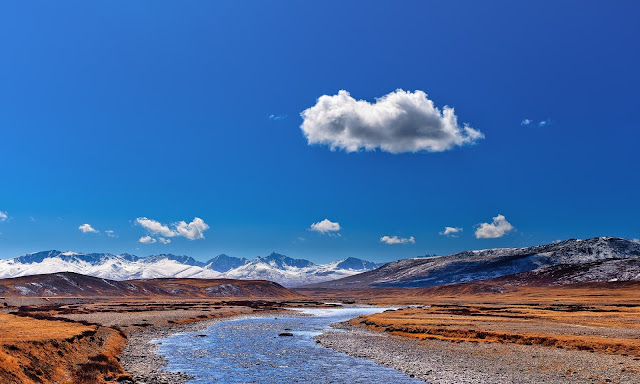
141 360
271 349
446 362
82 340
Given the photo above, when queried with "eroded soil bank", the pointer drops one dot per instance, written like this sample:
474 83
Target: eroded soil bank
46 351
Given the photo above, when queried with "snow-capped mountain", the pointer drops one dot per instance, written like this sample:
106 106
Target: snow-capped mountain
275 267
598 255
294 272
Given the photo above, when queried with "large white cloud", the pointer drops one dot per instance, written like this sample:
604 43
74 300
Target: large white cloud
497 228
3 216
451 231
87 228
325 226
192 231
397 240
397 122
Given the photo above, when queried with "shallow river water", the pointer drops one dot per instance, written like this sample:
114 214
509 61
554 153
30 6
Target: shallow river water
250 351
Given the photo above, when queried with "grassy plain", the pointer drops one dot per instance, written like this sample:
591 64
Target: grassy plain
601 317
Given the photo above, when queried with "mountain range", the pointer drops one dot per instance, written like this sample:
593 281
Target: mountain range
572 261
274 267
598 259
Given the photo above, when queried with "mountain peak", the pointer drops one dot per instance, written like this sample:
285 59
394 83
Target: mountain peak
36 257
183 259
224 263
355 263
282 261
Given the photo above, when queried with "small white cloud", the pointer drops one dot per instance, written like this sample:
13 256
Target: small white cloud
451 231
32 219
497 228
325 226
277 117
544 123
192 231
155 227
397 122
526 122
3 216
299 240
397 240
147 240
110 233
86 228
163 240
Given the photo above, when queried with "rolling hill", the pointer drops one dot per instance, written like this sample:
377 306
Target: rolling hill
69 284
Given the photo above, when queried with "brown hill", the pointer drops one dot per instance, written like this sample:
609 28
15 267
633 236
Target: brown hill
69 284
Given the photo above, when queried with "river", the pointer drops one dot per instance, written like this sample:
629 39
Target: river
250 351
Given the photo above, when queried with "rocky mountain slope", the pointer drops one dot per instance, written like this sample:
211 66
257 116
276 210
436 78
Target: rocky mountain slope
596 259
609 270
274 267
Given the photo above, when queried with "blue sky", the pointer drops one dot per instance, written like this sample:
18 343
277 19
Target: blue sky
170 111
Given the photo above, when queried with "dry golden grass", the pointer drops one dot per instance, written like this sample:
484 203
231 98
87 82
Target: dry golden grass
480 292
598 318
603 317
131 314
19 329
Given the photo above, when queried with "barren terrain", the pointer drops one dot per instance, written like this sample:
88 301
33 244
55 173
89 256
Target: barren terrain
571 330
